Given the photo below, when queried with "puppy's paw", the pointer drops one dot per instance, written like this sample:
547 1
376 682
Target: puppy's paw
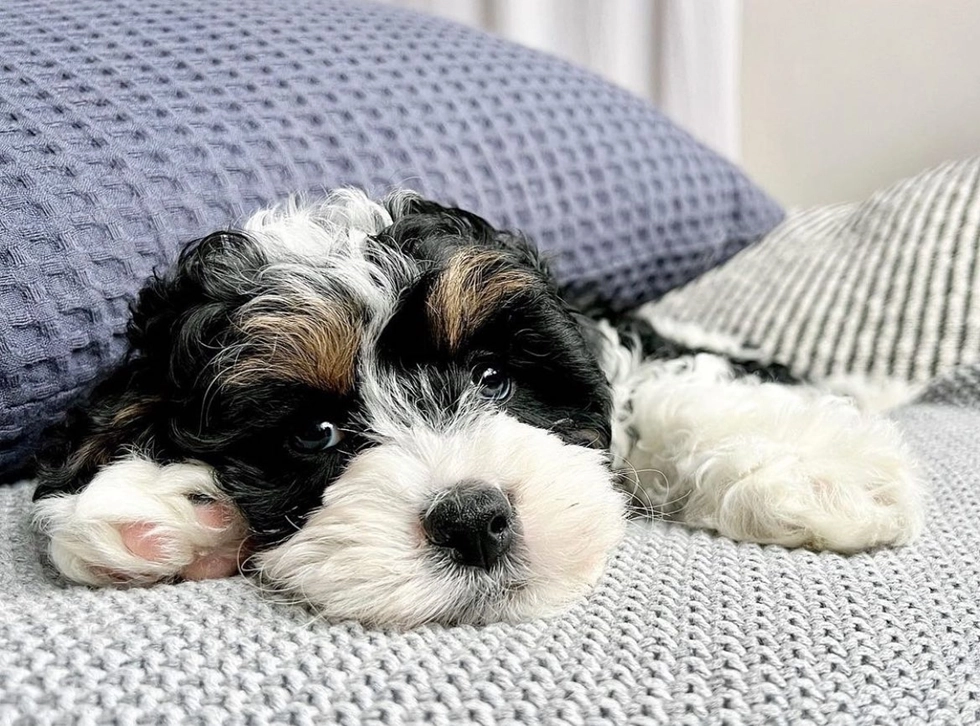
819 474
139 523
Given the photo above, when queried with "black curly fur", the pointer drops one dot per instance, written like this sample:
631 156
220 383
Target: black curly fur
162 402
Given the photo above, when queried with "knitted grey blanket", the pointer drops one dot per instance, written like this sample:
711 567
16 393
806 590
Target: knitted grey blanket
685 628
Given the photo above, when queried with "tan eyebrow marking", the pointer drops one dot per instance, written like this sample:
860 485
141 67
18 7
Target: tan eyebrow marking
474 284
316 345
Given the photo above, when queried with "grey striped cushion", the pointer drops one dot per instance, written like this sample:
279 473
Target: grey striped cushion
884 289
958 387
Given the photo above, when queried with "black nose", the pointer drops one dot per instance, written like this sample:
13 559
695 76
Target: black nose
474 521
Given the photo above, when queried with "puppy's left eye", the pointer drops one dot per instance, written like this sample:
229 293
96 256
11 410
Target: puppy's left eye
493 384
318 436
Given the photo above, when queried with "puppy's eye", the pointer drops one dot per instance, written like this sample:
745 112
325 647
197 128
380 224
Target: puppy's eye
492 383
318 436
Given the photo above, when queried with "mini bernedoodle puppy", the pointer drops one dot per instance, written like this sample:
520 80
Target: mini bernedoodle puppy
387 411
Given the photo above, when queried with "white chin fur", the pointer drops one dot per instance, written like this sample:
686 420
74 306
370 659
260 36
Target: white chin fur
363 554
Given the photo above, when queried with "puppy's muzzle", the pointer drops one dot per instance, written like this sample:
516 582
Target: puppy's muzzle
473 522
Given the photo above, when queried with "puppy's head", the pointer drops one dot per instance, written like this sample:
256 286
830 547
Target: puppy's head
396 398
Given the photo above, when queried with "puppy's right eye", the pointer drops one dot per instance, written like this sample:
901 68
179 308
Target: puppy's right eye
317 436
493 384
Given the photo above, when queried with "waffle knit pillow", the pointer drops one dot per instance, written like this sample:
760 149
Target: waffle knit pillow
129 128
886 290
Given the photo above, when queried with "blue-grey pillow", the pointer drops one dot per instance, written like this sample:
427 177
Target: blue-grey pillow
128 128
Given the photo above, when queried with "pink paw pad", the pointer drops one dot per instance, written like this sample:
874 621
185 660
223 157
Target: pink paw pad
142 541
148 542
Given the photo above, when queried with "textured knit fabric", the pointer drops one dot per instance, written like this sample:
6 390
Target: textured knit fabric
685 628
128 128
960 387
888 288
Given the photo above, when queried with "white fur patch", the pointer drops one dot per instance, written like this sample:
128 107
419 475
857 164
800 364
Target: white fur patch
84 539
363 554
336 224
769 463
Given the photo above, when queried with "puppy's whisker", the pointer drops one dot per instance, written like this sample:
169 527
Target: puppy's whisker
641 496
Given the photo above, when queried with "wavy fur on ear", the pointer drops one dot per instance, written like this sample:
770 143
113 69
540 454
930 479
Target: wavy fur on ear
177 318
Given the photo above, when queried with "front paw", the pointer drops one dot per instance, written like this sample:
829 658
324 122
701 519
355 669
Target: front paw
821 475
138 523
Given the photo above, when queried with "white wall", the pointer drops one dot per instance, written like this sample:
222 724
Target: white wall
842 96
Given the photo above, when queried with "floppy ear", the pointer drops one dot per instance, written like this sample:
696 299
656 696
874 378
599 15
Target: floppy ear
132 407
119 413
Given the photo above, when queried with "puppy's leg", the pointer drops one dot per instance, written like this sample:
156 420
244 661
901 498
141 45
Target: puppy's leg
768 463
140 522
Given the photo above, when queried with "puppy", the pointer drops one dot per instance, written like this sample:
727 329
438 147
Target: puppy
386 410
